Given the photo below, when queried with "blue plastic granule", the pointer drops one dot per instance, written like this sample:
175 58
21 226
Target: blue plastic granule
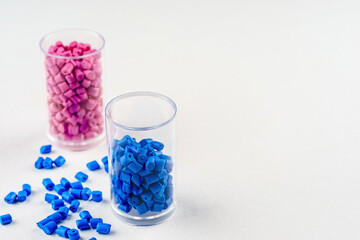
85 193
93 165
39 163
157 207
56 217
125 207
59 189
57 203
42 223
64 211
59 161
150 164
62 231
47 163
27 188
103 228
5 219
142 208
73 234
50 197
48 184
67 197
45 149
22 195
11 198
85 215
65 183
97 196
76 193
82 224
74 206
82 177
76 185
50 227
105 160
94 222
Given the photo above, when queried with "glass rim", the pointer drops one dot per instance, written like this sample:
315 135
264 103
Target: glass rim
71 57
140 93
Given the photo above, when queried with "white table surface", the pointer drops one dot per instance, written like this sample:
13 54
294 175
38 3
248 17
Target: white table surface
268 123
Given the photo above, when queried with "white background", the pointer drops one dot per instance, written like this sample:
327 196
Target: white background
268 121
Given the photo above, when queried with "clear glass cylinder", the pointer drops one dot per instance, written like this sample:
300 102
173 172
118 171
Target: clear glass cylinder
73 64
140 129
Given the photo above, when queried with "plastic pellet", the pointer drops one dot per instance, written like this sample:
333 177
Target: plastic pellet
48 184
169 166
137 191
59 161
124 207
94 222
155 187
159 164
150 164
47 163
73 234
76 185
39 163
82 177
85 194
67 197
146 196
56 217
134 201
159 198
142 208
125 177
157 207
62 231
103 228
105 160
85 215
135 167
57 203
22 195
42 223
92 238
50 227
11 198
77 83
64 211
50 197
82 224
59 189
152 178
27 188
97 196
136 179
76 193
126 188
74 206
93 165
165 157
5 219
163 174
149 204
141 175
127 159
45 149
65 183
